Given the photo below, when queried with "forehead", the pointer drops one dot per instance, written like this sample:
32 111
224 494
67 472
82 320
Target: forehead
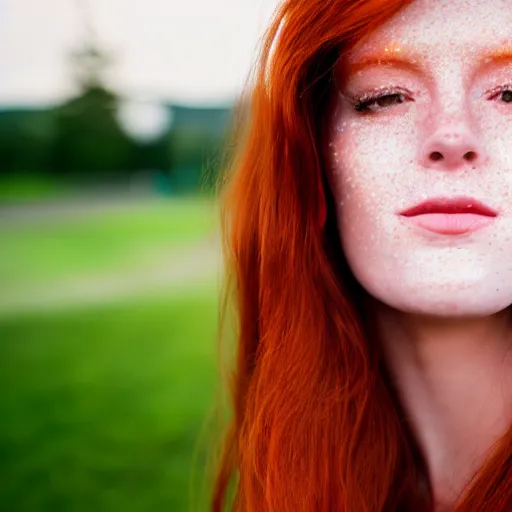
442 25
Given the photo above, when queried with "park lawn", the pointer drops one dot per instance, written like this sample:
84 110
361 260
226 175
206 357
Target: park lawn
45 251
101 408
29 186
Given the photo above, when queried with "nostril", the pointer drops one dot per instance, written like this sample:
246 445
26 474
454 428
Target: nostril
436 156
470 156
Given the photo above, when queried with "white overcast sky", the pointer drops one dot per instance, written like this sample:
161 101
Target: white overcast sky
188 51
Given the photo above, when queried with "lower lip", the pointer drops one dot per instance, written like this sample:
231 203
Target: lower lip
451 223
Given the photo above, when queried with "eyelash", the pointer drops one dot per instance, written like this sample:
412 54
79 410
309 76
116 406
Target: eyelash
363 103
500 90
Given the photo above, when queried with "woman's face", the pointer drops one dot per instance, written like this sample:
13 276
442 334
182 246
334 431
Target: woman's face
442 128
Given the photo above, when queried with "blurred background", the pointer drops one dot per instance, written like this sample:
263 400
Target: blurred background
113 116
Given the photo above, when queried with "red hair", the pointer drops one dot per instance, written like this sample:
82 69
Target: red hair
316 425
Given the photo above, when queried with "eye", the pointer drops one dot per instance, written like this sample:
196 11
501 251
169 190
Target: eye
503 93
378 102
506 96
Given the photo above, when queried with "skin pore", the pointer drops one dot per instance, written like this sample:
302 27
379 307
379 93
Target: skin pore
435 80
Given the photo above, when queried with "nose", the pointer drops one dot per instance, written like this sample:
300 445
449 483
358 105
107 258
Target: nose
451 147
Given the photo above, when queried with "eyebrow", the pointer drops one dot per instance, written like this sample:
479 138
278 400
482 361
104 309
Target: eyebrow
405 57
390 55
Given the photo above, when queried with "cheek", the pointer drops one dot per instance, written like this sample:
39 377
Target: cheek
371 164
495 129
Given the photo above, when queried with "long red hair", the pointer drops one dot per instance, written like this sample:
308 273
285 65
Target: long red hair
316 425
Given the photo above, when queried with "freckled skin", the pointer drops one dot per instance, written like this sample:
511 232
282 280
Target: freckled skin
380 161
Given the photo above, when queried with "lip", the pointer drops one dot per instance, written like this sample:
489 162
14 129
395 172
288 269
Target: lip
451 215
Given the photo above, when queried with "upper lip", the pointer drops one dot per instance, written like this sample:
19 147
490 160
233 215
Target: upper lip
460 204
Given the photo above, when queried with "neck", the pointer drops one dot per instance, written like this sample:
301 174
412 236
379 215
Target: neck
454 380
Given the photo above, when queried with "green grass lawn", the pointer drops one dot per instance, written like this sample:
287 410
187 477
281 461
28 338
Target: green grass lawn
102 407
44 250
28 186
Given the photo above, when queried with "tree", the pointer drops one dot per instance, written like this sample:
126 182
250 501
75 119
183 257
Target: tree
88 138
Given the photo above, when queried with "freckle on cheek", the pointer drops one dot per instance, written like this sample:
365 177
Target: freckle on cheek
340 127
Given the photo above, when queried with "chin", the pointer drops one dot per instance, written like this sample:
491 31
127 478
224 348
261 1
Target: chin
449 303
441 298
